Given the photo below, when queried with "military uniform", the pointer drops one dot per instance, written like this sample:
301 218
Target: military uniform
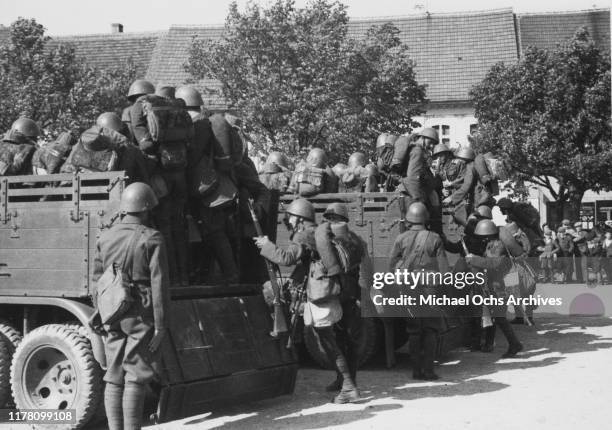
462 190
16 151
126 345
566 254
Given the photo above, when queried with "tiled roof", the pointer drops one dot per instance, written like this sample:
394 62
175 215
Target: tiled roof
171 54
102 50
545 30
452 51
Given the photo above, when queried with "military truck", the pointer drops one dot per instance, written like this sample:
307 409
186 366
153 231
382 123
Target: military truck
218 350
377 218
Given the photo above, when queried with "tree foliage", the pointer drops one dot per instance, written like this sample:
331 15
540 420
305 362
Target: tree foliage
548 116
48 83
301 81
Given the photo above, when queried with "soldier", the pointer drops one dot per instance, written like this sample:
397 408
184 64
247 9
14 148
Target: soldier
168 182
462 187
566 254
17 148
581 251
140 87
132 343
164 90
418 248
303 252
275 173
496 262
527 218
313 176
349 327
216 221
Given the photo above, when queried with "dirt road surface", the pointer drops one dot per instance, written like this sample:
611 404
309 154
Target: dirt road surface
563 380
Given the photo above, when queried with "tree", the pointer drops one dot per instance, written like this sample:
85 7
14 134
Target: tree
47 83
548 116
301 81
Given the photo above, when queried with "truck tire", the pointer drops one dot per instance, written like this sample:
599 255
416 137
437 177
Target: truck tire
9 339
368 344
54 368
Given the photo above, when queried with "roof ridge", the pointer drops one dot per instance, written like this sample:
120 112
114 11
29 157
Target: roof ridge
566 12
425 14
157 33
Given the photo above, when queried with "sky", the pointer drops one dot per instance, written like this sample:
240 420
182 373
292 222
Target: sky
63 17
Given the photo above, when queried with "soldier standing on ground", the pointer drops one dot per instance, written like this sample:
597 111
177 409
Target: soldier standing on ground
132 343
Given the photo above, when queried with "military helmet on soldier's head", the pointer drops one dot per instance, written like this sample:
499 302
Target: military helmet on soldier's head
190 96
429 133
301 208
484 211
110 120
317 158
486 227
139 88
505 203
166 91
27 127
137 197
276 162
440 149
417 213
336 211
357 159
466 154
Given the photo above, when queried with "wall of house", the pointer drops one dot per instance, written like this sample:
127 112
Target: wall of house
452 122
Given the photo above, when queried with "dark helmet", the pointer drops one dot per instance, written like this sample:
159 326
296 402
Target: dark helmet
484 212
441 148
505 203
190 96
166 91
276 162
486 227
466 154
339 210
140 87
27 127
302 208
110 120
357 159
137 197
429 133
417 213
317 158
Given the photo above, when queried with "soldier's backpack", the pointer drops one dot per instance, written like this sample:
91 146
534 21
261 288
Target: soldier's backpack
348 248
307 180
229 147
401 151
170 126
48 159
385 148
96 150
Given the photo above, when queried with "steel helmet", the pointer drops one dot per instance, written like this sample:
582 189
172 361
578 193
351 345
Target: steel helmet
505 203
484 212
190 96
301 208
357 159
166 91
429 133
466 154
339 210
371 170
27 127
317 158
276 162
339 169
140 87
486 227
137 197
110 120
417 213
441 148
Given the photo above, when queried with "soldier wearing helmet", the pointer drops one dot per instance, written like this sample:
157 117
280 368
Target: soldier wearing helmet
335 227
139 87
461 184
132 342
414 250
354 177
17 148
496 262
165 90
275 173
313 176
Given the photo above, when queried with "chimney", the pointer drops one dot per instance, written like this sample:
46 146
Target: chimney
116 27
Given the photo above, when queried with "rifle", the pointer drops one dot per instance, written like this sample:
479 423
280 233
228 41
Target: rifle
280 324
298 298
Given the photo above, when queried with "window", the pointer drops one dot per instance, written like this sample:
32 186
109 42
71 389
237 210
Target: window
444 132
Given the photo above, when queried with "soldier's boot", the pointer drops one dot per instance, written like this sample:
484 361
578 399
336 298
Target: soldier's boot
430 341
336 385
489 343
349 392
133 405
113 398
514 345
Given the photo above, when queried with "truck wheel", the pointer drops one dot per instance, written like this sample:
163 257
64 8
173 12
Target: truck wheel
368 343
54 368
9 339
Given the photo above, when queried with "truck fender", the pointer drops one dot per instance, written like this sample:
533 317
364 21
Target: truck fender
81 311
